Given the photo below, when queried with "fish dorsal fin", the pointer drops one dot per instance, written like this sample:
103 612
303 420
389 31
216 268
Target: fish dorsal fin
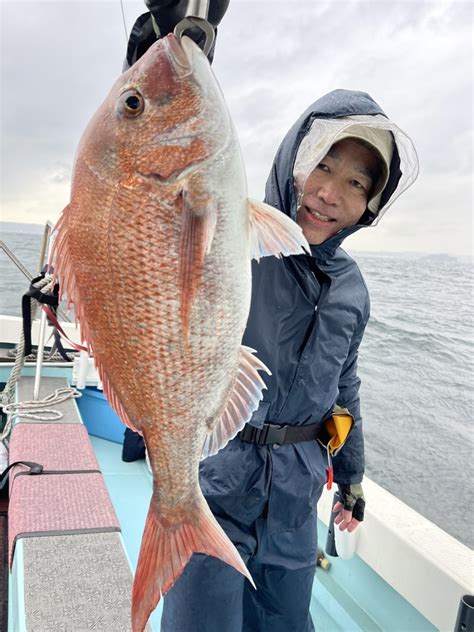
273 233
198 226
241 403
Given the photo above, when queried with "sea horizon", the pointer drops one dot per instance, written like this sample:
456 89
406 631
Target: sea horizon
37 229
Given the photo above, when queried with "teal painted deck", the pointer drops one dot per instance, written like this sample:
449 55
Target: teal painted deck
130 487
349 597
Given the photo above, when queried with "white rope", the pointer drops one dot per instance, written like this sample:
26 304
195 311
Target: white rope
8 392
37 409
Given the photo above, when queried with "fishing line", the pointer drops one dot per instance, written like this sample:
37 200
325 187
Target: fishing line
124 22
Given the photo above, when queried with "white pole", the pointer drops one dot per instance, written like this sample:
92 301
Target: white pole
39 358
83 370
45 250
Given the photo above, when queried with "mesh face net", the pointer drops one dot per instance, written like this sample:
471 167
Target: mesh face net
323 134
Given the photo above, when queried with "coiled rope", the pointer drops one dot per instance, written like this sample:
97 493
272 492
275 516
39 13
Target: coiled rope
38 410
32 409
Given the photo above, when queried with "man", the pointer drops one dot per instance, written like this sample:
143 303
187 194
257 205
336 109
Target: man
336 171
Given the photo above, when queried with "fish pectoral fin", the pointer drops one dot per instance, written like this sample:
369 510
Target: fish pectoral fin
165 551
200 202
241 403
273 233
198 226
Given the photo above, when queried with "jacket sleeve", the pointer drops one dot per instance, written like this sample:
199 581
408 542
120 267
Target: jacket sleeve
349 463
166 15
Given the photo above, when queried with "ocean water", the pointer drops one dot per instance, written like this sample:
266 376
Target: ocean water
416 366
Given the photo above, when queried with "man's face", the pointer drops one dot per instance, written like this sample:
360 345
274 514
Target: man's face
336 193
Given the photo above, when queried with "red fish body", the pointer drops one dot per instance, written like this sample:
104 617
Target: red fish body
154 251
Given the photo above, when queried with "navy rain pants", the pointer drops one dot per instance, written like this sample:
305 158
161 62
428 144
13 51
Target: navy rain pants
211 596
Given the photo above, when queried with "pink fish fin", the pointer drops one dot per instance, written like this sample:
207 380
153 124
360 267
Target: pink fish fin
165 551
199 217
112 396
273 233
241 403
61 258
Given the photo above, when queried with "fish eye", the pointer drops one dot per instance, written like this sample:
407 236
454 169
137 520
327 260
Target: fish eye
131 103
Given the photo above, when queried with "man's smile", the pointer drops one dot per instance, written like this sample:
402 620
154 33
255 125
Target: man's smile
319 216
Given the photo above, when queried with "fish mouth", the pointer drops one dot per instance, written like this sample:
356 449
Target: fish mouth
191 49
179 57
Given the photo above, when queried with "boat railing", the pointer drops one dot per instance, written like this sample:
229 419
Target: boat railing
44 254
15 260
45 249
24 270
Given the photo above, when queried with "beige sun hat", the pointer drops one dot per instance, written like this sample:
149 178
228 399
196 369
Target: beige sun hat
381 142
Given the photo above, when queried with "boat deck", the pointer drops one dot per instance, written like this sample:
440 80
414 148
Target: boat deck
129 486
126 481
333 608
350 597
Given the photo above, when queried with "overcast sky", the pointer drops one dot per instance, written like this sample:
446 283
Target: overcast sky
273 58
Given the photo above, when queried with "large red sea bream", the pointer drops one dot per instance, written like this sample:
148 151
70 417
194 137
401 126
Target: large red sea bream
154 252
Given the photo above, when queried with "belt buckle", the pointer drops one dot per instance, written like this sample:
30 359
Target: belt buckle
275 434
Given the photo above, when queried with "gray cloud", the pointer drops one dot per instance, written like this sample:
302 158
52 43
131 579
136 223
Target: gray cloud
59 60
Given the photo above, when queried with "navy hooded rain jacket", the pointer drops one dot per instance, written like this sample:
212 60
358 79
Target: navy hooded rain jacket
307 319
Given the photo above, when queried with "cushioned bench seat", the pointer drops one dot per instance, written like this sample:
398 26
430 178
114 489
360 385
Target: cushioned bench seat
73 583
70 570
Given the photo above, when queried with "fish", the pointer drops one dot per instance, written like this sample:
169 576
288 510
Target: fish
154 252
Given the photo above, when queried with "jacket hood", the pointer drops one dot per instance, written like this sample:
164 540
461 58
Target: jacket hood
325 120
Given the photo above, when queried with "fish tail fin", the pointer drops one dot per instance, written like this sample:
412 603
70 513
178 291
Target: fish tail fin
165 552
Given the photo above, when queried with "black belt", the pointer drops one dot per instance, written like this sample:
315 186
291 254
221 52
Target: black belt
271 433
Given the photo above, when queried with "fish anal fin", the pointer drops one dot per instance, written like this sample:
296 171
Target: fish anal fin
165 551
112 397
198 226
273 233
241 403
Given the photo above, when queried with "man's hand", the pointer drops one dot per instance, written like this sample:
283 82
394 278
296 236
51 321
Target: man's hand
350 508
